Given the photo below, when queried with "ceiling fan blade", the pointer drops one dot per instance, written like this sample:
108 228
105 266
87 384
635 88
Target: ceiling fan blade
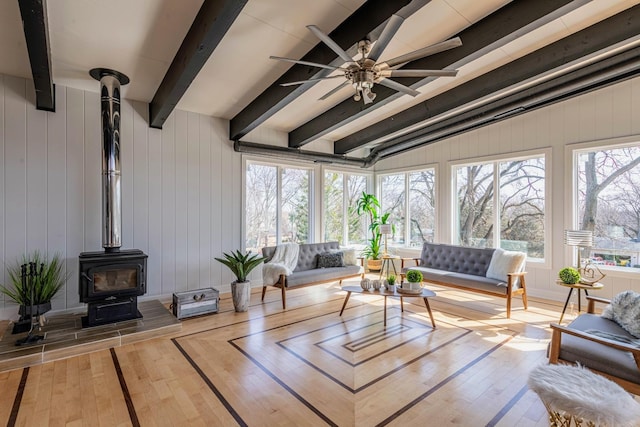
419 73
329 42
334 90
425 51
385 37
311 80
312 64
399 87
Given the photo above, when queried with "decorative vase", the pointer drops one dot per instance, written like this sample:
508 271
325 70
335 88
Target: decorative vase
365 284
241 295
389 287
377 284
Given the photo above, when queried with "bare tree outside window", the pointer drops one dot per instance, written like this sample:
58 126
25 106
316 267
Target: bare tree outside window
261 197
608 195
410 199
475 205
340 189
521 205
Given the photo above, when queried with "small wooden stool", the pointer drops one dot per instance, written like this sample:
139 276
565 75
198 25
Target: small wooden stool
575 396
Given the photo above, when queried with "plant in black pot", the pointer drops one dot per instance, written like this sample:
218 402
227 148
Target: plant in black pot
241 265
45 277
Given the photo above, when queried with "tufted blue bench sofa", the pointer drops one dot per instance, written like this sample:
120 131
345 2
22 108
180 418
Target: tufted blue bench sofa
484 270
307 271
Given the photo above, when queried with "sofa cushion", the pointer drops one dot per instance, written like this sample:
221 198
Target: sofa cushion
317 275
505 262
597 356
331 259
470 281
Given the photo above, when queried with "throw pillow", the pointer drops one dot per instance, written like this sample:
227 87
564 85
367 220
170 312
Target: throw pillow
330 259
624 309
504 262
350 257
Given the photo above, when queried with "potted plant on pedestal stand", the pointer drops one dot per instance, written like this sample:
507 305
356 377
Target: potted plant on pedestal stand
241 265
46 278
369 204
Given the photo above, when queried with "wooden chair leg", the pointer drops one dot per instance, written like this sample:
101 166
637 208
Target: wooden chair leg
524 293
509 305
264 291
284 296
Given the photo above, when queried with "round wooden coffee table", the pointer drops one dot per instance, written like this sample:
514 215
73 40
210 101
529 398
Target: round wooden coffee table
425 295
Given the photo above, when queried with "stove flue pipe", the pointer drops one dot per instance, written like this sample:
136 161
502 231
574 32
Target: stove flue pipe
110 82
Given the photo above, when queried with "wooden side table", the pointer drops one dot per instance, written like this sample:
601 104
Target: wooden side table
387 262
579 287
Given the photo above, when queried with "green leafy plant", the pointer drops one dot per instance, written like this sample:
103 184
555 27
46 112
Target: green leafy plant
569 275
241 264
369 204
414 276
45 286
391 280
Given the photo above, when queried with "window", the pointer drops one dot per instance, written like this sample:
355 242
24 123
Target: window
341 220
277 204
501 204
607 193
409 197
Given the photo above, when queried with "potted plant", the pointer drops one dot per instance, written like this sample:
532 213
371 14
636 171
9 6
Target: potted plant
241 265
44 277
391 282
369 204
414 277
569 275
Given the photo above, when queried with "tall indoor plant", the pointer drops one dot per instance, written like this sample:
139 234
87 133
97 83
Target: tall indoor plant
50 278
241 265
368 204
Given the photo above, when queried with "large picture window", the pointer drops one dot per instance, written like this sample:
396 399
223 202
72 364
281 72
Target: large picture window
277 205
607 193
501 203
409 197
341 220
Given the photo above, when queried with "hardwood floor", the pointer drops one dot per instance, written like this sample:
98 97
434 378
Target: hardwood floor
305 366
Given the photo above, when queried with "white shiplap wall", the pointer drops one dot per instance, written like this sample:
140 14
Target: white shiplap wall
181 191
606 114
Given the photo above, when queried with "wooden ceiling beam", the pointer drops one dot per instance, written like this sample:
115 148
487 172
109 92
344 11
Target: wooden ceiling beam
209 27
36 34
595 38
501 27
367 19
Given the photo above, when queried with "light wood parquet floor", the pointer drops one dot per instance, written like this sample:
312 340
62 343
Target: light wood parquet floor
305 366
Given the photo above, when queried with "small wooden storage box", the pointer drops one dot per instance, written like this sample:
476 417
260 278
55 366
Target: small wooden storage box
195 303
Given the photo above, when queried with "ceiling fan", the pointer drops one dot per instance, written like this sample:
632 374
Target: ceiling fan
364 72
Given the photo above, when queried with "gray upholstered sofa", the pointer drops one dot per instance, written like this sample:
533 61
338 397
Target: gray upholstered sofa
485 270
307 271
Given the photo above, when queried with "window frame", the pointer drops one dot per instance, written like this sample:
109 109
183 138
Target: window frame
369 177
546 152
571 219
407 223
280 165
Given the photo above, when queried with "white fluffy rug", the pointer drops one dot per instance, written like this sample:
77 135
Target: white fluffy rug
582 393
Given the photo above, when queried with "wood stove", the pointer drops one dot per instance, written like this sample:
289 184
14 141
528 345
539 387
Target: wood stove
111 281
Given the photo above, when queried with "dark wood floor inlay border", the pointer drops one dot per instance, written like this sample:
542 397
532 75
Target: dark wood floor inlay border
508 406
285 386
125 389
210 384
13 417
442 383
